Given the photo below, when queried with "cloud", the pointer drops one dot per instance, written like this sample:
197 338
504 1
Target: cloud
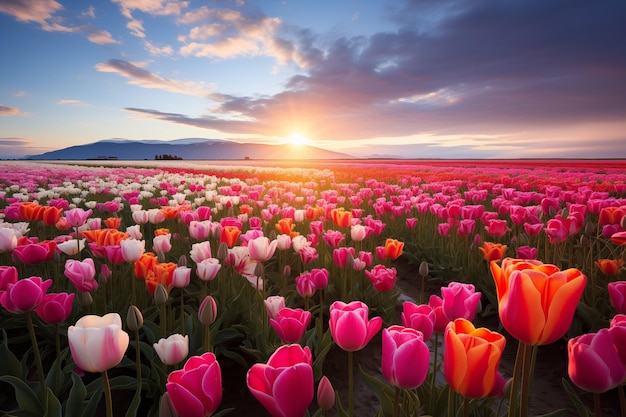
44 13
150 7
11 111
13 148
74 103
145 79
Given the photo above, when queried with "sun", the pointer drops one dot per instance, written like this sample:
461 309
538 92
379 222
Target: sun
299 139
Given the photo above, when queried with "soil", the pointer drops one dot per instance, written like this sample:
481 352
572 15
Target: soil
547 391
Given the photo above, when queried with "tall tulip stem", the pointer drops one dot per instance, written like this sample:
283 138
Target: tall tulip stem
396 402
351 383
182 311
33 339
519 358
434 376
107 394
597 408
526 377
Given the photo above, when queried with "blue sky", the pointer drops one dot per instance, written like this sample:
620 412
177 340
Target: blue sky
420 79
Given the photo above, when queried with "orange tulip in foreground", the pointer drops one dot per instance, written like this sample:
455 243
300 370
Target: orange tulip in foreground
536 301
471 358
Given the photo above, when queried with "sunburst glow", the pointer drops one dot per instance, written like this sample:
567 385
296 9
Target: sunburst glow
299 139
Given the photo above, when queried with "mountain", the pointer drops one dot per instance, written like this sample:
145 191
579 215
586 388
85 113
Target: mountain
188 148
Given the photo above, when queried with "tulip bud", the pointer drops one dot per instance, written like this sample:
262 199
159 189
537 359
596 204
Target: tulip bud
160 256
286 271
423 269
258 269
104 275
222 251
325 394
166 409
160 294
85 298
182 261
207 313
585 242
134 318
272 235
590 228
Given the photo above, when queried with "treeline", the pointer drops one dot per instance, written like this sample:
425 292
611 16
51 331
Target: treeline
167 157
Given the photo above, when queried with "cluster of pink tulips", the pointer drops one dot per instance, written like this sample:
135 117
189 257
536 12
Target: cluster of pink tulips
156 279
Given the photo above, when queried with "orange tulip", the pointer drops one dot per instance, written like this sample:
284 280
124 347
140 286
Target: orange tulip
161 231
105 237
144 264
393 249
610 215
246 209
493 251
285 226
170 212
471 358
30 211
229 235
610 266
160 274
51 215
341 217
536 301
113 222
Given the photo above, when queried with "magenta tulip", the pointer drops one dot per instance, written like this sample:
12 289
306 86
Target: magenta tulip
55 308
290 324
593 362
284 386
196 390
441 321
34 253
25 295
8 275
350 326
77 216
617 294
460 301
405 357
382 278
419 317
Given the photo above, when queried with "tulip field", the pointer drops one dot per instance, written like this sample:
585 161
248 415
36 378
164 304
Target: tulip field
141 289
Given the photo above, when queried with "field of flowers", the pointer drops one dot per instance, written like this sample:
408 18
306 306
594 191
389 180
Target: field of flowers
134 290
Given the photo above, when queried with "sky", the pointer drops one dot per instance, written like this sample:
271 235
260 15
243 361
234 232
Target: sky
384 78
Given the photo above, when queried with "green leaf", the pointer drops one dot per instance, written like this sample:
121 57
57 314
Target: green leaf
583 410
53 406
134 405
557 413
26 398
92 405
55 377
9 363
340 410
74 403
224 412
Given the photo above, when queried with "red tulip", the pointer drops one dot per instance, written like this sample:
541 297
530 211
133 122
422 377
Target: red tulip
196 390
25 295
471 358
593 362
405 357
290 324
55 308
350 326
536 301
383 279
285 384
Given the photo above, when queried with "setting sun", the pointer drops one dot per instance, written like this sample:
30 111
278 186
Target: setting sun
299 139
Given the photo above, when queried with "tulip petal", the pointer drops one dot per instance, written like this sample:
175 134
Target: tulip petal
561 310
293 390
184 401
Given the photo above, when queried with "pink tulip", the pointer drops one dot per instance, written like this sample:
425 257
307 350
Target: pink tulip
305 286
290 324
199 230
419 317
325 394
284 386
55 308
382 278
25 295
97 343
77 216
181 277
350 326
441 321
162 243
405 357
617 330
341 256
8 275
196 390
208 268
172 350
526 252
261 249
200 251
593 362
617 294
132 249
460 301
497 227
333 238
35 253
82 274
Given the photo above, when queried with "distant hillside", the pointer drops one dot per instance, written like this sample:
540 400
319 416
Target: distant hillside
189 149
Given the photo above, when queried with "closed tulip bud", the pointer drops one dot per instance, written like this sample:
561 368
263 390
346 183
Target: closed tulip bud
85 298
258 269
222 251
166 408
207 313
134 318
182 260
160 294
325 394
423 269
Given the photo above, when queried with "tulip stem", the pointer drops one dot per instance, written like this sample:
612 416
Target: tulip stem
434 380
526 377
138 364
396 402
515 380
182 311
207 338
622 399
451 402
597 409
57 340
107 394
466 407
33 339
351 383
